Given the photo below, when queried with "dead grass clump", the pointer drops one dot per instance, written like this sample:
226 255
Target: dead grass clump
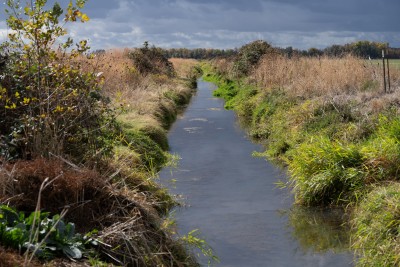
91 202
135 237
9 258
130 227
144 96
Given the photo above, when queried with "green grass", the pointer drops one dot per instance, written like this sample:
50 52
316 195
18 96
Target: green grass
377 225
395 63
335 155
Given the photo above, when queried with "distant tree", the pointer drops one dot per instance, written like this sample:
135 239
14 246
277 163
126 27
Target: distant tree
198 53
288 51
365 49
334 51
314 52
249 55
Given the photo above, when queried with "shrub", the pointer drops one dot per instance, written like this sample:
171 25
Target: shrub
47 104
249 55
151 60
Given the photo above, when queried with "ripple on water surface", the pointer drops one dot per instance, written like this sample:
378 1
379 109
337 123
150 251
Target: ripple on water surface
232 198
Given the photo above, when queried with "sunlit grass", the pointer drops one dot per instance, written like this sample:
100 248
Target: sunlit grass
395 63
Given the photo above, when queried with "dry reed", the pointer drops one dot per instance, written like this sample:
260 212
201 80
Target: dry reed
125 86
311 77
183 67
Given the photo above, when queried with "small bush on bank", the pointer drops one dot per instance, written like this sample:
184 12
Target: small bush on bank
248 57
151 60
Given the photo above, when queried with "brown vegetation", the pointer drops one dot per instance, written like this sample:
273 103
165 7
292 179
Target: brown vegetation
83 135
117 195
183 67
337 80
313 77
8 258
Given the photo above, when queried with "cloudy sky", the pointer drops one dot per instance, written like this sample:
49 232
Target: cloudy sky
232 23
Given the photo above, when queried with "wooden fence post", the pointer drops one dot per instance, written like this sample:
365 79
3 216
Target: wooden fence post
384 70
388 71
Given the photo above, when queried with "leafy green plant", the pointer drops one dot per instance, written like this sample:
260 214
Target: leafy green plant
55 236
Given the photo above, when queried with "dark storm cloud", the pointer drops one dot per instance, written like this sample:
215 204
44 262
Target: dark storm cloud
231 23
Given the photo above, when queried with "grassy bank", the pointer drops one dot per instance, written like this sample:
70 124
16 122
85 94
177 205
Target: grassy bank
329 122
82 137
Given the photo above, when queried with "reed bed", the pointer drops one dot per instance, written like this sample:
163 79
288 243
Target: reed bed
313 77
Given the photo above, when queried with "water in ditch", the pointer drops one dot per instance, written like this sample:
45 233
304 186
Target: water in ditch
232 197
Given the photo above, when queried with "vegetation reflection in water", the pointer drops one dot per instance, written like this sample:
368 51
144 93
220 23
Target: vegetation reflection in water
319 230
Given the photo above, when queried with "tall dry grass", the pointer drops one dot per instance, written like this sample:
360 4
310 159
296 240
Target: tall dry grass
115 68
143 97
313 77
183 66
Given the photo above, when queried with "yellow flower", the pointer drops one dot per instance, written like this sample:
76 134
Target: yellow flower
12 106
58 109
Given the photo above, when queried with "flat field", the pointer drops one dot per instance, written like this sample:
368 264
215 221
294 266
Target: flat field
394 63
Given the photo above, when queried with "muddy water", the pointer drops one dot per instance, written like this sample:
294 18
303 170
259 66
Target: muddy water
232 198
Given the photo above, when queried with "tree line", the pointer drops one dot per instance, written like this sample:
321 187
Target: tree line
362 49
198 53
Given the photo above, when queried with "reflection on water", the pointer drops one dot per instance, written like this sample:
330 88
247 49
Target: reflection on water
231 197
319 230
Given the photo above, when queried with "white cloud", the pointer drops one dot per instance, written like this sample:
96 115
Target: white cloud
3 31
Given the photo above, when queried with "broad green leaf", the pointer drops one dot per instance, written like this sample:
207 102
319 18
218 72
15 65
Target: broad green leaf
72 252
10 214
70 230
